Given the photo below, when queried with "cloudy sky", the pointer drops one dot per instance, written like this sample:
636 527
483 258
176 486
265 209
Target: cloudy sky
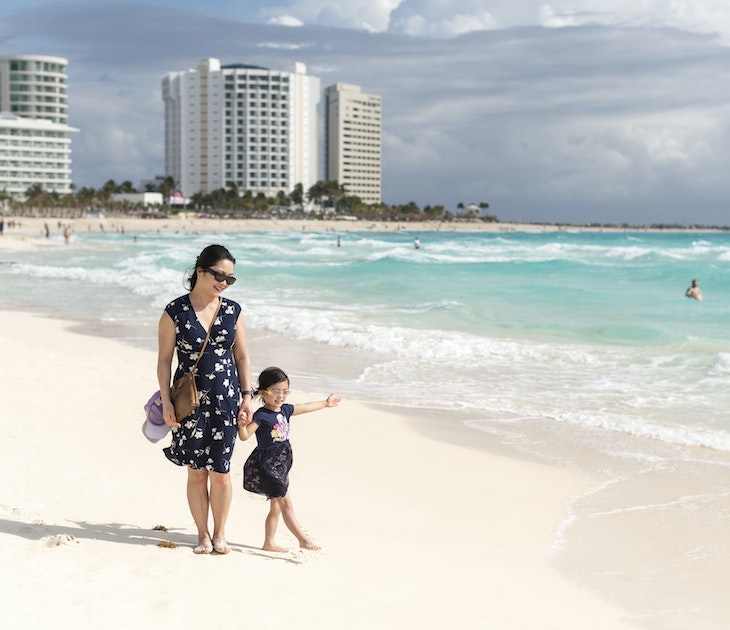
593 110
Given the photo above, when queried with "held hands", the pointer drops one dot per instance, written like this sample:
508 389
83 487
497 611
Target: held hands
245 413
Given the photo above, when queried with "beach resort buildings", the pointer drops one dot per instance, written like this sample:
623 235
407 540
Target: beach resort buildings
247 125
35 138
353 141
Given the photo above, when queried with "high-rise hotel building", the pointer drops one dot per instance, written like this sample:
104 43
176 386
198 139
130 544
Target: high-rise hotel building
353 141
35 139
240 123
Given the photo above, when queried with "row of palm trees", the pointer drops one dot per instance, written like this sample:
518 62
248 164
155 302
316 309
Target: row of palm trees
324 198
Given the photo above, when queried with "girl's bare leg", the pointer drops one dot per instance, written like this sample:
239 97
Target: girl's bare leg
272 521
220 504
198 500
287 512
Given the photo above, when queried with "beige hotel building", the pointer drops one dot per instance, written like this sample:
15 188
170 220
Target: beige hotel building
353 141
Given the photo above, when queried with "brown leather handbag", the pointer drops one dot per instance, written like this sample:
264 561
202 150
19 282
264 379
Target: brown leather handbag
184 392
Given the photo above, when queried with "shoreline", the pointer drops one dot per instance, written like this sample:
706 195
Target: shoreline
33 227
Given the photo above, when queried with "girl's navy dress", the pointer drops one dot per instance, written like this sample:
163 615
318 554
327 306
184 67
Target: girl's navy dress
266 470
208 435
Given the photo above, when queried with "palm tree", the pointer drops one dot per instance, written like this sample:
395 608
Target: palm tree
167 186
108 189
232 190
296 196
316 193
334 192
33 192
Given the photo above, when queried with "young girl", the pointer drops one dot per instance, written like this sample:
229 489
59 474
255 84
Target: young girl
266 470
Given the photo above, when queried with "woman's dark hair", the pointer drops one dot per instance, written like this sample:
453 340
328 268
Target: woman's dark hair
210 256
271 376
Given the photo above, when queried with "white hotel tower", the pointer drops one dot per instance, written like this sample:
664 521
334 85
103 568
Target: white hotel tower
35 142
243 124
353 141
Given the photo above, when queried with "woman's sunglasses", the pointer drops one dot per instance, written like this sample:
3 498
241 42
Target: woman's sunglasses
220 276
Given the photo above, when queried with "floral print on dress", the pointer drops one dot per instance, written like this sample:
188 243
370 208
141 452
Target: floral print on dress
207 436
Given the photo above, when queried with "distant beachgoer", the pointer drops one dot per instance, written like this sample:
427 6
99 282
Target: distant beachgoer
203 441
66 233
339 241
47 230
417 243
266 470
2 227
694 291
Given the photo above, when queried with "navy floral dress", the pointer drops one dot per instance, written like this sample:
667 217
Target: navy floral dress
208 435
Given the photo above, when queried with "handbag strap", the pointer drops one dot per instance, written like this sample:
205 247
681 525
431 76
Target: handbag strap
205 343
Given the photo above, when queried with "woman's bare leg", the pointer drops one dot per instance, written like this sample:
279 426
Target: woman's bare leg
220 504
198 501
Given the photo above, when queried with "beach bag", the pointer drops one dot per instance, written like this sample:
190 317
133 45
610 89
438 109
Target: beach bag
185 395
184 392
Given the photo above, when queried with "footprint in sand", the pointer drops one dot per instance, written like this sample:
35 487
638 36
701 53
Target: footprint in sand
58 540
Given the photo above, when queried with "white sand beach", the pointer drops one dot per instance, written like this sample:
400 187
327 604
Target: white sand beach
414 532
23 228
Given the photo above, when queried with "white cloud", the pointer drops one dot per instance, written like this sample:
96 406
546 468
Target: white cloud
285 20
449 18
280 45
552 17
368 15
418 25
690 15
440 18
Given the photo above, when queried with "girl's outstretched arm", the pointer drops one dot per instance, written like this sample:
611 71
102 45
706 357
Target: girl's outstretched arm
331 401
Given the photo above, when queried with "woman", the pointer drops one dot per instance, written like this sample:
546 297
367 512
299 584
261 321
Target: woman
204 440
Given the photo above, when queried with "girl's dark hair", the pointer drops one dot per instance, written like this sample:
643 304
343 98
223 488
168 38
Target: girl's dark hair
210 256
271 376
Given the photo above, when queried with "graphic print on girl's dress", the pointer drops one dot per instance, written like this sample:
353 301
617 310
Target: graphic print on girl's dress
280 432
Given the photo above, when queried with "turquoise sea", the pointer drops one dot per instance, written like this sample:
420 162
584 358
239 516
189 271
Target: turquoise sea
576 329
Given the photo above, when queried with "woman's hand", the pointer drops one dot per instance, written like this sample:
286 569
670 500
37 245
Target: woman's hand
245 412
168 414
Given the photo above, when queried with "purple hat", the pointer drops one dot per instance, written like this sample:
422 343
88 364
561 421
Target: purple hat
154 427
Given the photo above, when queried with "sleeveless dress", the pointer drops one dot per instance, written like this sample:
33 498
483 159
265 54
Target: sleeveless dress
208 435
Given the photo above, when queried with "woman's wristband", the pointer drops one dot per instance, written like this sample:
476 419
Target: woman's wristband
247 391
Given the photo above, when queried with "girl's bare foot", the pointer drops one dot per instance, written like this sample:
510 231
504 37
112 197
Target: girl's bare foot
308 544
204 545
274 547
